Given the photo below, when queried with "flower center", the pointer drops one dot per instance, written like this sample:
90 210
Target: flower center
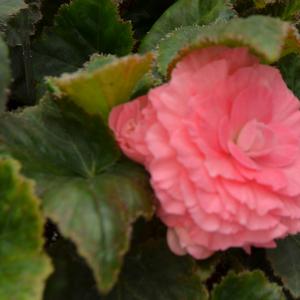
258 144
256 139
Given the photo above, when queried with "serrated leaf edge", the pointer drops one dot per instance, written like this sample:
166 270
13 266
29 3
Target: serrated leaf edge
289 33
233 274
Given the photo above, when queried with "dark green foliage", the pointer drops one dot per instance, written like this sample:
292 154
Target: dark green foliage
90 195
80 29
247 286
285 262
150 272
185 13
289 67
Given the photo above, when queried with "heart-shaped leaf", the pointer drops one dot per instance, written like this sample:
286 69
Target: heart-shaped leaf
86 190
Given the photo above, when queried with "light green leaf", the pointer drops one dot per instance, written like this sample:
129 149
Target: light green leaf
97 90
24 266
171 46
4 74
183 13
247 286
267 37
286 264
143 85
80 29
91 195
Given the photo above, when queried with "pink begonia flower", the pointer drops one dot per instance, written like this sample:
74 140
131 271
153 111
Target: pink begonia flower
221 142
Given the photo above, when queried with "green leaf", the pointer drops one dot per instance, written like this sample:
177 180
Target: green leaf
291 10
184 13
9 8
290 69
4 74
285 262
151 271
97 90
24 266
96 213
247 286
80 29
143 14
91 195
147 81
58 139
170 47
267 37
98 60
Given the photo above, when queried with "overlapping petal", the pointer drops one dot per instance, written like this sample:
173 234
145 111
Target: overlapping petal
221 141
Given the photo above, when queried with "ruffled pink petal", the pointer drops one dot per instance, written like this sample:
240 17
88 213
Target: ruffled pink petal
199 58
222 166
158 142
253 103
174 243
221 142
242 157
125 121
292 174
